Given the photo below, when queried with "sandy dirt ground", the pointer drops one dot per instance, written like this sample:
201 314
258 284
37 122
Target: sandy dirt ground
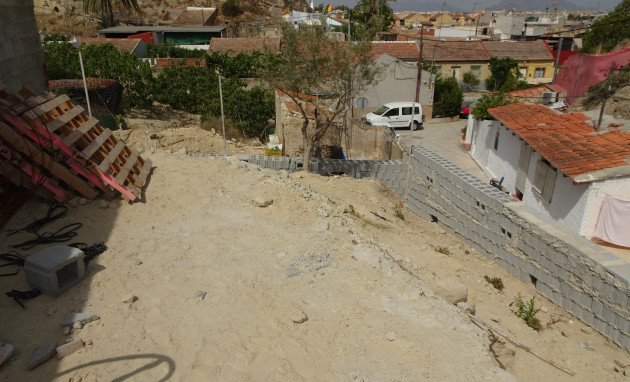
228 272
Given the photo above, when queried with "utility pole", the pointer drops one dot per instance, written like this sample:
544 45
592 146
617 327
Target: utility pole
555 69
601 111
419 81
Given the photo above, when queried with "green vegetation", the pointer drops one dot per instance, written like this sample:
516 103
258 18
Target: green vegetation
471 80
370 17
398 213
443 250
595 94
194 89
504 75
527 312
312 61
448 96
608 32
104 9
496 282
480 110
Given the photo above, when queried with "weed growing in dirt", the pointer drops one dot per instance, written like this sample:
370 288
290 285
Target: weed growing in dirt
154 136
495 281
443 250
527 312
398 213
375 225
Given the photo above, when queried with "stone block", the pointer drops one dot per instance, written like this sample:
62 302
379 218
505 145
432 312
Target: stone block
55 269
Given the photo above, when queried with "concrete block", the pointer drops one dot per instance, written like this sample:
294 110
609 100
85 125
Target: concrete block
613 334
588 317
55 269
41 355
625 341
597 308
599 325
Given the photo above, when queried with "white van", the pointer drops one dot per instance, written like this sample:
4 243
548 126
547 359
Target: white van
397 114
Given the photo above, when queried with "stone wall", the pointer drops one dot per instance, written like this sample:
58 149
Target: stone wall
21 58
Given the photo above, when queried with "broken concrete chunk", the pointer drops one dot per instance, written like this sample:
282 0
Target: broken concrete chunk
260 201
5 352
299 317
42 355
82 318
452 290
130 298
69 348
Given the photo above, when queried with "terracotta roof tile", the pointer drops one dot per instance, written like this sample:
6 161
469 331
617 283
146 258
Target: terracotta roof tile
441 51
402 50
234 46
566 141
519 50
128 44
194 17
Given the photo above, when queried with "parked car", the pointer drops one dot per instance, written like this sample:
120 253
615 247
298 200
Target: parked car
397 114
467 105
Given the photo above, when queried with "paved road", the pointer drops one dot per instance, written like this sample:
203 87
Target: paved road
445 139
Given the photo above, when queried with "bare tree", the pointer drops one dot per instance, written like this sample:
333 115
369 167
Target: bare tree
312 63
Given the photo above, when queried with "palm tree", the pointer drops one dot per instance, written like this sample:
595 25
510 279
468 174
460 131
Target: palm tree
104 9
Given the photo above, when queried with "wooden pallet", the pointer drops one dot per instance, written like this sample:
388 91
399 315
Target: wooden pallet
89 151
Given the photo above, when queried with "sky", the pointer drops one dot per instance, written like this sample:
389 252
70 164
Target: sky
408 5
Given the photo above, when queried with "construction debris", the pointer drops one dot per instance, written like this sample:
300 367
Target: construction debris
69 348
52 147
41 355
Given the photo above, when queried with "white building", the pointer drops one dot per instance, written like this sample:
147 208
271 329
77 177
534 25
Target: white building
560 167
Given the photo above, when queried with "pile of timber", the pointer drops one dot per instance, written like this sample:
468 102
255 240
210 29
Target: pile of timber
52 147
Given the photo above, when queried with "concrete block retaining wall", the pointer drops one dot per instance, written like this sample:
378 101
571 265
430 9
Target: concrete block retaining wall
574 273
588 281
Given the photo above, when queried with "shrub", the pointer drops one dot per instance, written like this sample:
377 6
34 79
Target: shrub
527 312
496 282
448 97
480 111
444 251
471 80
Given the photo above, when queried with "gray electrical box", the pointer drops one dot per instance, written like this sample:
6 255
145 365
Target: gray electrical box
56 269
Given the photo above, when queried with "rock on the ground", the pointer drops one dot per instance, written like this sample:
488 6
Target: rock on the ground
299 317
82 318
69 348
390 336
6 350
452 290
127 299
41 355
262 202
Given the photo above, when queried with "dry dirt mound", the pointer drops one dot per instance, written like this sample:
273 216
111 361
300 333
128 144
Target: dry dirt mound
327 282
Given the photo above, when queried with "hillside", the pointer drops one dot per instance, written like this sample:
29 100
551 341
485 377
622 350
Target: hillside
536 5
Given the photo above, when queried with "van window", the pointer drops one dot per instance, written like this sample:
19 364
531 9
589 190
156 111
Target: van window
381 110
392 113
407 111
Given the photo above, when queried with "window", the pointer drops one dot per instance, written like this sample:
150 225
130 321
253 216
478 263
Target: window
407 111
523 166
476 70
539 73
545 179
523 71
392 113
496 141
455 71
381 110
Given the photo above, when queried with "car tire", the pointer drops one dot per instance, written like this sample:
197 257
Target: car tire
416 126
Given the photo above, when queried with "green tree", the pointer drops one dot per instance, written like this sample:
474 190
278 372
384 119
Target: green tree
608 32
471 80
312 62
448 96
105 10
61 58
504 75
370 17
135 75
487 101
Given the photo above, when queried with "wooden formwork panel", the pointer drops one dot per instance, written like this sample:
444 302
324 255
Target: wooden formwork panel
85 147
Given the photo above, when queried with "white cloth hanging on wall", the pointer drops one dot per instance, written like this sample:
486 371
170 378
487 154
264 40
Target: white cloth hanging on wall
613 224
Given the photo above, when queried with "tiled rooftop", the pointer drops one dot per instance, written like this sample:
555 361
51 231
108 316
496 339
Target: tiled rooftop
234 46
532 93
567 141
519 50
443 51
128 44
194 17
400 50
